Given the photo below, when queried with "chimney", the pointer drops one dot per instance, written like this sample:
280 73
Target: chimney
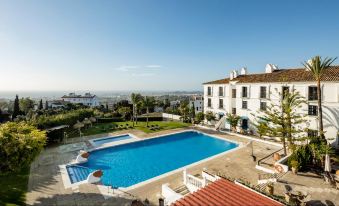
231 75
270 68
243 71
235 73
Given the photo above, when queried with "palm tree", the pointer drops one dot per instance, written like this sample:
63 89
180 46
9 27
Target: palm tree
136 98
147 102
317 67
184 111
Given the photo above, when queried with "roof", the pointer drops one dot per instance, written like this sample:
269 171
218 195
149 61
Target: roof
224 192
283 75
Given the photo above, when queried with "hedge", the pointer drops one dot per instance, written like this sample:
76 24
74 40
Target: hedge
68 118
108 120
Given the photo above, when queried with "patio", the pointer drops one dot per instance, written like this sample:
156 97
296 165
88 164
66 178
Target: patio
46 186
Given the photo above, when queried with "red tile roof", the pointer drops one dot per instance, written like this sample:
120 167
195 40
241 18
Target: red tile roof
283 75
225 193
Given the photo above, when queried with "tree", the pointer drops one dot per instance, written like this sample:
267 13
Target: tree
233 120
199 117
261 128
40 105
16 108
282 118
209 116
147 102
192 111
317 67
20 143
184 111
124 112
46 105
136 98
26 104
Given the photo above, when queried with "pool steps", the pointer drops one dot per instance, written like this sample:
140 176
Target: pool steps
78 173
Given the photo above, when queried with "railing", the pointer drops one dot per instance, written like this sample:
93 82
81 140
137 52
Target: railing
195 181
268 156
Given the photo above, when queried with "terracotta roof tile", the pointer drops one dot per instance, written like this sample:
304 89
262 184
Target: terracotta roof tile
283 75
225 193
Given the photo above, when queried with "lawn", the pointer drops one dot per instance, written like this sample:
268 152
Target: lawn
107 127
13 188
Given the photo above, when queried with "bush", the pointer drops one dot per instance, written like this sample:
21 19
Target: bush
295 164
199 117
67 118
108 120
144 119
302 155
20 143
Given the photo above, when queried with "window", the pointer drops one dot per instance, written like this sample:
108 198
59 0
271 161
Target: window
263 106
312 110
263 92
312 93
221 103
209 91
221 91
312 133
244 104
234 111
209 102
285 91
244 91
234 93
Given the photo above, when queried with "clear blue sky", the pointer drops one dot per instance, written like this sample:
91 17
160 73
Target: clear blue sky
156 45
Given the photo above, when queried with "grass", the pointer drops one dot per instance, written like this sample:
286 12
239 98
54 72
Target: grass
104 127
14 187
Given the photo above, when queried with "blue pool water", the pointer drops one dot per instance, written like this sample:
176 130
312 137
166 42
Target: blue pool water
101 141
129 164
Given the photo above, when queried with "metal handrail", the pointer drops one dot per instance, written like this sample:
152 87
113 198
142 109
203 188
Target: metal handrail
262 159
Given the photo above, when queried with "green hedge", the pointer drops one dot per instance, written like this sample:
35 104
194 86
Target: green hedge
67 118
144 119
108 120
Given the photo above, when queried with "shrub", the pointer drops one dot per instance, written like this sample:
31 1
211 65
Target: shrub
20 143
67 118
209 116
199 117
295 164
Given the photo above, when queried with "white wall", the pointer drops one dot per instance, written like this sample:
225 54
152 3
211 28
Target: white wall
330 97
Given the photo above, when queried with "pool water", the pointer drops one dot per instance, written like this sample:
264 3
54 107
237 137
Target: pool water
101 141
132 163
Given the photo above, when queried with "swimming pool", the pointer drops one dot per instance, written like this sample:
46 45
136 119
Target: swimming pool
128 164
101 141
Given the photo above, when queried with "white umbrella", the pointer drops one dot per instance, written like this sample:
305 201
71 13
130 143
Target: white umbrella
327 163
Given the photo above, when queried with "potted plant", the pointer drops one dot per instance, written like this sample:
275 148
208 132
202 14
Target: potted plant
295 166
270 188
276 156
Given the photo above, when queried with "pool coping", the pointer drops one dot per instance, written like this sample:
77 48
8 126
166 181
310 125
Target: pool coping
115 143
68 184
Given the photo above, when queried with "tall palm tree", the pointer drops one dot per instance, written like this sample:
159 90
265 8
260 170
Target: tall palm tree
147 102
317 67
136 98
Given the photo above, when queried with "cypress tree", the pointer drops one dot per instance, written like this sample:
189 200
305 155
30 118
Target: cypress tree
46 105
16 108
40 105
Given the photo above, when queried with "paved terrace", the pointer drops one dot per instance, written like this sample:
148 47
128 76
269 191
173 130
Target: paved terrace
46 186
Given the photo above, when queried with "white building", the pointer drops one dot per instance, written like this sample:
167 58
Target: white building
198 103
245 94
88 99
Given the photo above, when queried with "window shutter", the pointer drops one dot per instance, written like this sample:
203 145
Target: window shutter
268 92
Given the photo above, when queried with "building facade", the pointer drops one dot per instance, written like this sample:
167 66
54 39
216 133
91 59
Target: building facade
198 103
246 94
88 99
